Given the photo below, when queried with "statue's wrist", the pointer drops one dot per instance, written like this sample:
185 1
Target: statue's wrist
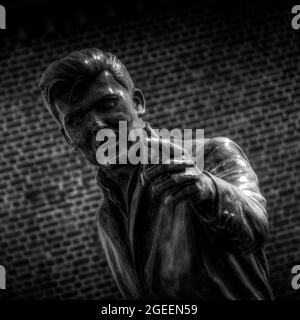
206 203
208 187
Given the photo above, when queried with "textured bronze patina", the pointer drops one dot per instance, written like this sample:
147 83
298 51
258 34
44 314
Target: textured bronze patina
168 231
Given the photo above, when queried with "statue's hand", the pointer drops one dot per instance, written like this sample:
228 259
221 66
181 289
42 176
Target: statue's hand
178 180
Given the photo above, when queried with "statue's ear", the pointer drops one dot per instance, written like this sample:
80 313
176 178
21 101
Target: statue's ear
63 132
140 102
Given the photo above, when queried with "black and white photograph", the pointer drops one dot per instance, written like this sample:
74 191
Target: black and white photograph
149 151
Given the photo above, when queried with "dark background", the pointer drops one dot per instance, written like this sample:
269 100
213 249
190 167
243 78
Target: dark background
231 68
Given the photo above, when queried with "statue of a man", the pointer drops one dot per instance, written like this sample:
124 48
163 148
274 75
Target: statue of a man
168 231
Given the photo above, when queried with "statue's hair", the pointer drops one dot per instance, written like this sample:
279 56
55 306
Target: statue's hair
62 76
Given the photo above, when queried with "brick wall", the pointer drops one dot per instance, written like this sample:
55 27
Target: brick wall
233 72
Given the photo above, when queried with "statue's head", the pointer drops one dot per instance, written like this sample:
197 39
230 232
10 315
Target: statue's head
89 90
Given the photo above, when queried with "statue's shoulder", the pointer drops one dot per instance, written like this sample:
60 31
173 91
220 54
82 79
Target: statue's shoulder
222 146
218 142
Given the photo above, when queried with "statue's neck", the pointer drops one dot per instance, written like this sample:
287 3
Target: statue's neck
119 174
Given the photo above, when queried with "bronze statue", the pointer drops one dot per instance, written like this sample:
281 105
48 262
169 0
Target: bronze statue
168 231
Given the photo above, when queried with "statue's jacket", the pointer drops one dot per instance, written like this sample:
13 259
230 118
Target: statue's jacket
158 251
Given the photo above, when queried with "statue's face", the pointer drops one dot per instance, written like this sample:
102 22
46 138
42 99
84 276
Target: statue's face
102 104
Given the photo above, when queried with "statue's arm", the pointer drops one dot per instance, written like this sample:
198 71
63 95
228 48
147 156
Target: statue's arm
235 215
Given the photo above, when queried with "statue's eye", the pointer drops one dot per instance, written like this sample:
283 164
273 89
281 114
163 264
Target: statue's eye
109 103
